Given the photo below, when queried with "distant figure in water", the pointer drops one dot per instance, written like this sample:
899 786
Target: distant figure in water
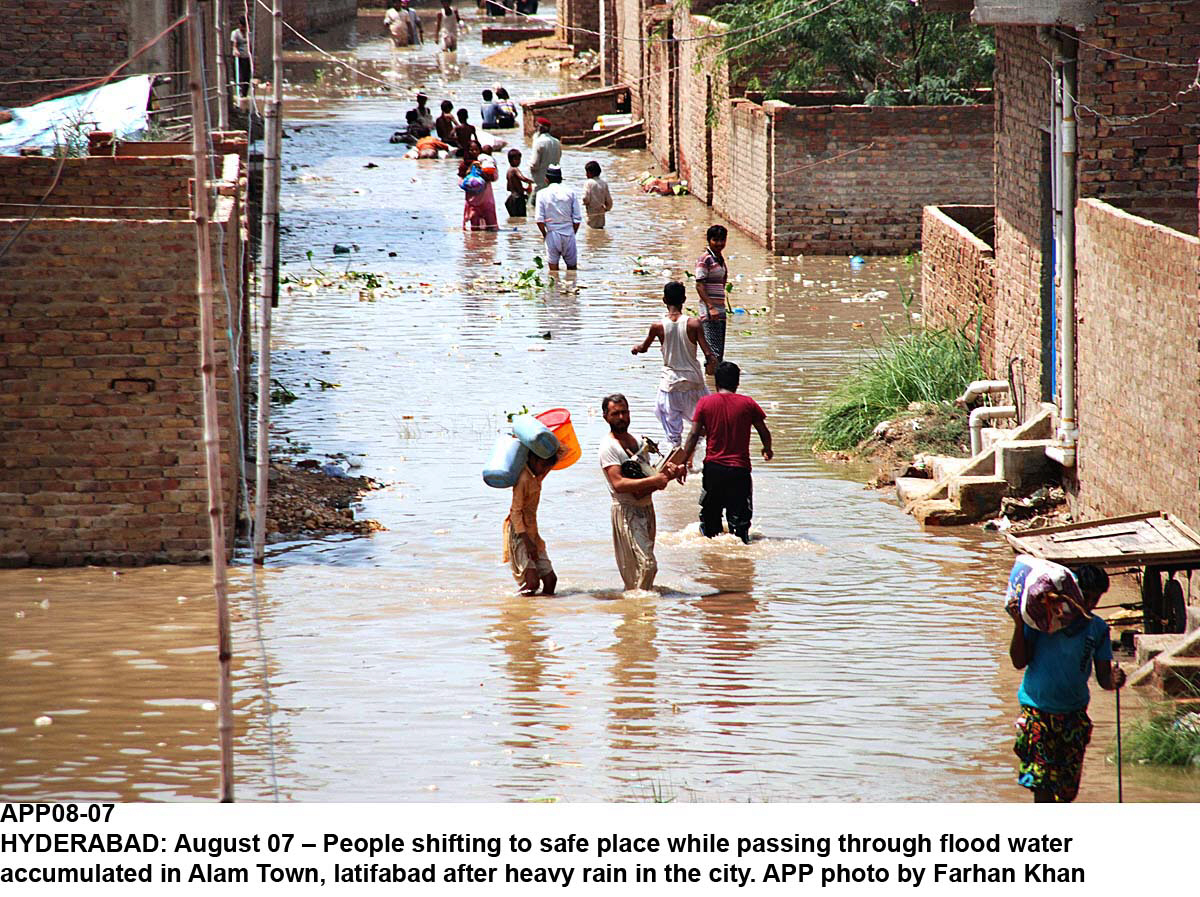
682 384
448 24
725 419
633 523
464 131
596 197
524 550
445 123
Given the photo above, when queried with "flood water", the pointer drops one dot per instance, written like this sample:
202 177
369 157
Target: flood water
844 655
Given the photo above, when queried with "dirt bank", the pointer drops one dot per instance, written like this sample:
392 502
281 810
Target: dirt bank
308 502
541 53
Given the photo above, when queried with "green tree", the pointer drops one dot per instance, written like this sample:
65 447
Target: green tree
881 52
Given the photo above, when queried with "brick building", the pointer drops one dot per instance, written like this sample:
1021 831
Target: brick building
49 45
1137 296
809 173
100 400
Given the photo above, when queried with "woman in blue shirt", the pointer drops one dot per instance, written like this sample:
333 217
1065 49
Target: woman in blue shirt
1054 729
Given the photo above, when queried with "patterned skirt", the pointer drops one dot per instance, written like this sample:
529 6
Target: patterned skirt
1051 748
714 332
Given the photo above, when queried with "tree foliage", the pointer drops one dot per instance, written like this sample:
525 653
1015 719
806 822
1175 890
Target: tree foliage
882 52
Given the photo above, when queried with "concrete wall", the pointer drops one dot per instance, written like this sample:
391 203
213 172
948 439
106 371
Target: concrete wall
958 275
1138 366
100 403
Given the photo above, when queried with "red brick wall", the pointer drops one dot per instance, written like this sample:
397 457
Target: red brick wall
579 23
1140 162
42 39
127 187
100 404
1022 86
630 47
1138 366
743 192
572 114
958 275
854 179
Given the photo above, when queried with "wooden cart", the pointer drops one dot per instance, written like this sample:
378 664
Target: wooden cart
1158 542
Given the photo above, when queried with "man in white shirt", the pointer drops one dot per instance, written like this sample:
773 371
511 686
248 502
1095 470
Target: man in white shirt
633 522
559 214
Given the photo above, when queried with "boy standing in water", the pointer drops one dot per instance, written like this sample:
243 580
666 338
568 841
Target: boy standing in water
682 384
518 187
1054 729
596 197
524 550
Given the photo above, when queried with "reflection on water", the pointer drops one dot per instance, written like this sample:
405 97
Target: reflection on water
842 655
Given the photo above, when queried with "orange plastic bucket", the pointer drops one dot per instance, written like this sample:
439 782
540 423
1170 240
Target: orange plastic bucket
558 422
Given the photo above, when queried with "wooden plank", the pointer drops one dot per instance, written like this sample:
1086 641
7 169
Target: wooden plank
1080 537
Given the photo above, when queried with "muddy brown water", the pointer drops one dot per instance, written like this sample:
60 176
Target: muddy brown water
844 655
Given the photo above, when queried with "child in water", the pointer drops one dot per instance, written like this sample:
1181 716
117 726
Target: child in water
524 550
518 187
1054 729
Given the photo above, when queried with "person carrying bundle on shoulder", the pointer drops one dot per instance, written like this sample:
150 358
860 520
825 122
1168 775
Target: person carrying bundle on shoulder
1054 729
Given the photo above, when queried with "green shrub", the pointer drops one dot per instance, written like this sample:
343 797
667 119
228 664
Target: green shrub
1165 739
922 366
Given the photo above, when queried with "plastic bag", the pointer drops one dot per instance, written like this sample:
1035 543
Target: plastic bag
1046 592
473 181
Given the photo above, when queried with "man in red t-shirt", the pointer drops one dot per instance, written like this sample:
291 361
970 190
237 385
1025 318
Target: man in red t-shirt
725 419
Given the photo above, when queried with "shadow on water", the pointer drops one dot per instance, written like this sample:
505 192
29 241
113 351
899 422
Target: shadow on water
843 655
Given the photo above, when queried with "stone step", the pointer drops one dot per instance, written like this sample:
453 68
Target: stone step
1148 647
941 466
939 512
1023 462
909 489
1178 677
978 496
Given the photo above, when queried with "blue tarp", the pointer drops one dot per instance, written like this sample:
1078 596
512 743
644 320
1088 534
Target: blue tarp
119 107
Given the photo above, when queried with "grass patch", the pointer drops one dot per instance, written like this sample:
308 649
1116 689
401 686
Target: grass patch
922 366
1165 739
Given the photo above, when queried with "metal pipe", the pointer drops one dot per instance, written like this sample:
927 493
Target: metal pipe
1067 437
978 416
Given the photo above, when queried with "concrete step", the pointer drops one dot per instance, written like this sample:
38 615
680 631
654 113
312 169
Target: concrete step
941 466
939 512
1193 619
1023 462
1177 677
978 497
1148 647
910 489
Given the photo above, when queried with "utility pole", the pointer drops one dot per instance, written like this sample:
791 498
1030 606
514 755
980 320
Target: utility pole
201 209
268 282
222 76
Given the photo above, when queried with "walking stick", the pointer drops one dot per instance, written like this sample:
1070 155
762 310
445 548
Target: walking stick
1120 795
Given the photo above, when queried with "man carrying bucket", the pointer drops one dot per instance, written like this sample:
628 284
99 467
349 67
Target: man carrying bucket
633 523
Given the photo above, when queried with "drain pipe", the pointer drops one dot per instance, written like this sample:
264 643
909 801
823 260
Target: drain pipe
977 388
979 415
1067 438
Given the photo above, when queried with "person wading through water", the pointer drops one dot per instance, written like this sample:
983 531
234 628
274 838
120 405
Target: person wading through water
682 384
633 523
1054 729
725 419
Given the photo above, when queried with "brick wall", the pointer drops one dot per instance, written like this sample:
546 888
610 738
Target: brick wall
958 274
100 404
1140 162
579 23
44 39
854 179
127 187
572 115
1138 366
311 16
631 47
1022 86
